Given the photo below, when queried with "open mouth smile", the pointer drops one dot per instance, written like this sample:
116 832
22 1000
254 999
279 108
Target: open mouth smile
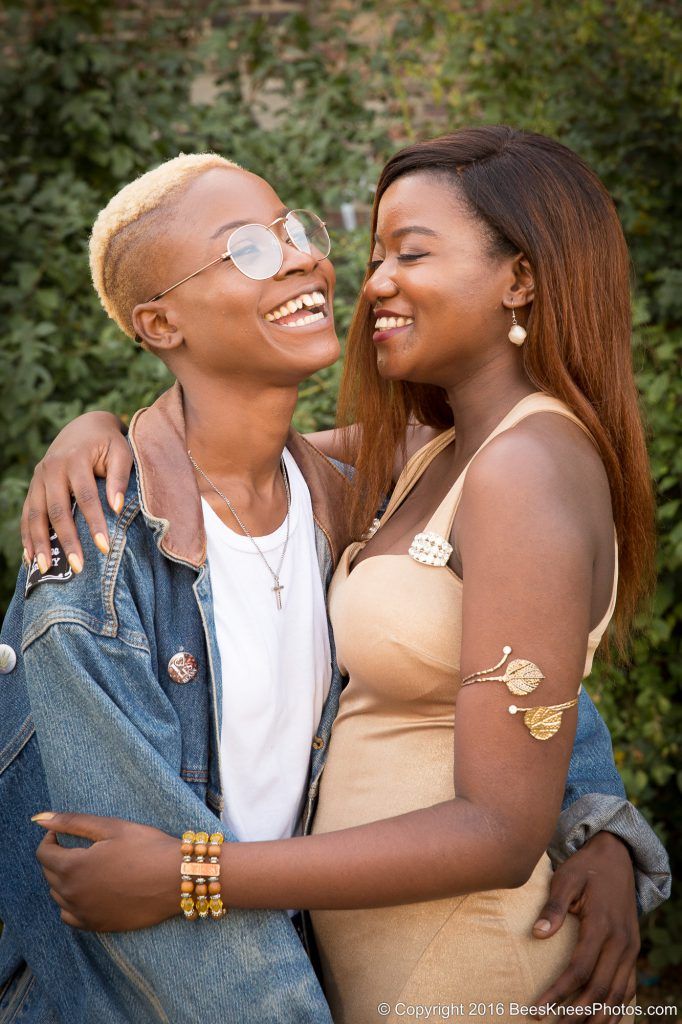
387 326
306 308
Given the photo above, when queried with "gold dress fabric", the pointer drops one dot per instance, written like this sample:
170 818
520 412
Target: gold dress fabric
397 624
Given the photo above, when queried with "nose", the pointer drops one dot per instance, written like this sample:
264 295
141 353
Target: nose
295 261
380 285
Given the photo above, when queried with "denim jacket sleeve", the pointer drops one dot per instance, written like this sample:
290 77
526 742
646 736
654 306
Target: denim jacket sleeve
595 801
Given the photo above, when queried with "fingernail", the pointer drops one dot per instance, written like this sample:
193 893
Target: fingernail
75 563
102 543
43 816
42 564
542 925
118 503
27 560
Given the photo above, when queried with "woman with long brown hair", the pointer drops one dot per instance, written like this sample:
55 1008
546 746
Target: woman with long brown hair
488 370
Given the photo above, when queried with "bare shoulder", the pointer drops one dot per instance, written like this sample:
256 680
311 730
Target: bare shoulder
545 466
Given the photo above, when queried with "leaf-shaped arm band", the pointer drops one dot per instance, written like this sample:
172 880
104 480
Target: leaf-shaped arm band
522 677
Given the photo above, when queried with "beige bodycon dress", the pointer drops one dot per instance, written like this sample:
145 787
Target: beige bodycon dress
397 624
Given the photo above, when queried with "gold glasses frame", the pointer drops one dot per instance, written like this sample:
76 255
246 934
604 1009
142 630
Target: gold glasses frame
268 227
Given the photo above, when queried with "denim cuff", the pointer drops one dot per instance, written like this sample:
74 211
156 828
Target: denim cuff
598 812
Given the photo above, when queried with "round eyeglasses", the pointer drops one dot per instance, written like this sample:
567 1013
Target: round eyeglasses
257 252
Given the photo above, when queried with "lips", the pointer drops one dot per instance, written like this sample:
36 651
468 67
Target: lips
388 322
299 311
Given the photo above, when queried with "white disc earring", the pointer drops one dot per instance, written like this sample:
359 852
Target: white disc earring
517 334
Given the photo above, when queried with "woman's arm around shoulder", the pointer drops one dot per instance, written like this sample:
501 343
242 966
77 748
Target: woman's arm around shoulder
90 446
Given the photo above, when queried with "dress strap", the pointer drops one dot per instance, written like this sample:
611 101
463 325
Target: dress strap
597 633
442 519
415 467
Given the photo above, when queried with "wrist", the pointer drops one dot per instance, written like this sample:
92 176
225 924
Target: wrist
200 885
608 843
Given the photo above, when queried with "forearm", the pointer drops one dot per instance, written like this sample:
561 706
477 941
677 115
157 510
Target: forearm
449 849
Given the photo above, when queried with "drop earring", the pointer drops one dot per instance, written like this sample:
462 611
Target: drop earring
517 334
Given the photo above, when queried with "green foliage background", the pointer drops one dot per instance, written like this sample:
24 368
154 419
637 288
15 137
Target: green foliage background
94 92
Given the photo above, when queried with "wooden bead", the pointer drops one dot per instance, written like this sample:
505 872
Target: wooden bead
205 870
200 849
187 887
213 850
213 888
186 849
200 889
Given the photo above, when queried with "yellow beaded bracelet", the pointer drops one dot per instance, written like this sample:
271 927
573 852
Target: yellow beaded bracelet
200 877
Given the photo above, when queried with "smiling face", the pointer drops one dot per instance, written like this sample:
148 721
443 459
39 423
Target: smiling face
439 285
278 331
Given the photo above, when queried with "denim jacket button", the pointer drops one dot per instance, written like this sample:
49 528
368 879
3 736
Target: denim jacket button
182 667
8 659
318 743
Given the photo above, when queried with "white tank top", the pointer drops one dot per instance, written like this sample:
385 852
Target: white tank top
275 666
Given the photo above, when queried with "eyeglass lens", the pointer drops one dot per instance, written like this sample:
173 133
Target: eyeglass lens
257 252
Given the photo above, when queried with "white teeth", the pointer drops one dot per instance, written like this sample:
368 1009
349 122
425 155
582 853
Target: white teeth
387 323
309 319
306 300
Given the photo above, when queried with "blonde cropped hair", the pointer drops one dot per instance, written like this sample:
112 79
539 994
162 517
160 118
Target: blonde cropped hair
128 229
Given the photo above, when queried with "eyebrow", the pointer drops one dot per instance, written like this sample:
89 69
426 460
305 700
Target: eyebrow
240 223
411 229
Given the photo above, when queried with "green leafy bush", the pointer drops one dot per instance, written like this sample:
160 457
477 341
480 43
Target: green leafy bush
96 91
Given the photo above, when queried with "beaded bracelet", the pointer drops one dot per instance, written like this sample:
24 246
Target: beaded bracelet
200 878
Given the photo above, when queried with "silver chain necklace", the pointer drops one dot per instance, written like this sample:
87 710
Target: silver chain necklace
278 587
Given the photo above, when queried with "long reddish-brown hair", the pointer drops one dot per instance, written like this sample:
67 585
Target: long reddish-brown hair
537 197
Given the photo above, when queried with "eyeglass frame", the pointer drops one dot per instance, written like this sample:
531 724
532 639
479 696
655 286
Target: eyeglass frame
227 256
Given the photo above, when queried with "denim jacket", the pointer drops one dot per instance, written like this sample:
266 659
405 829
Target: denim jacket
93 720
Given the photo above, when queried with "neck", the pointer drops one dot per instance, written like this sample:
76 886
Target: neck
480 400
237 431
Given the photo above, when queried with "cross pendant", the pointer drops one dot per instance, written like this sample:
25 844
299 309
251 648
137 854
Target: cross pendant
277 588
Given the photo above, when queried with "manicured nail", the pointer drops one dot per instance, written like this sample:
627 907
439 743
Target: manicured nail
102 543
542 925
27 560
43 816
43 564
118 503
75 563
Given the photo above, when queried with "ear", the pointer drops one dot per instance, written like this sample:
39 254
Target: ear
154 327
521 289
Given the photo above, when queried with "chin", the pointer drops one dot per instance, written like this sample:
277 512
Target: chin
392 367
316 355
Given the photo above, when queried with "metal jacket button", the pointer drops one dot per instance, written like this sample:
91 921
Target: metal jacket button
182 667
318 743
8 659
